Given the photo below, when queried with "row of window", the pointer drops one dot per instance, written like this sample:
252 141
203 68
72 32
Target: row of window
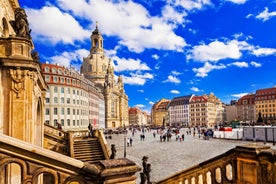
68 110
60 71
81 122
197 119
74 92
68 101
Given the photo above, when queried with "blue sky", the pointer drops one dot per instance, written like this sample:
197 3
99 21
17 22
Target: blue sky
165 48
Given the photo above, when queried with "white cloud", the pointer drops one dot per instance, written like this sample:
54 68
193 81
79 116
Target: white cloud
239 95
122 64
120 19
175 73
203 71
218 50
50 24
172 79
137 79
264 51
141 90
255 64
237 1
174 92
139 105
171 14
191 4
66 58
151 102
266 15
239 64
155 56
195 89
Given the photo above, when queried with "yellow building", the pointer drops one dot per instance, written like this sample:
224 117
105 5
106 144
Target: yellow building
99 69
265 104
160 112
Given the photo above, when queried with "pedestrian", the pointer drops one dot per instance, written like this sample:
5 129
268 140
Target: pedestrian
113 151
130 141
154 134
90 130
183 137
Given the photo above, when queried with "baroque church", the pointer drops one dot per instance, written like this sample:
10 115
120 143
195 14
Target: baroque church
99 69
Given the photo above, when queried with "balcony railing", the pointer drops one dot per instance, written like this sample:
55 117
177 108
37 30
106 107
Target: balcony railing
251 164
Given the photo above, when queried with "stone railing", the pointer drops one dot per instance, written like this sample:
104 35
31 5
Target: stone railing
56 140
22 162
75 135
251 164
62 142
101 137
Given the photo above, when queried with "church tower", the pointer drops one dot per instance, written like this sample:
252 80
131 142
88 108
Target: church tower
22 87
99 69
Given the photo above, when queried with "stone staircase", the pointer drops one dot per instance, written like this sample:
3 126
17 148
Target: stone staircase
88 150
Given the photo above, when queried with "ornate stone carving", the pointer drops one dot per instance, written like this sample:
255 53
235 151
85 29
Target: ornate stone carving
18 80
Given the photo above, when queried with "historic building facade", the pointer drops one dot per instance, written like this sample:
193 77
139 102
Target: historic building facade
160 113
205 110
137 116
246 109
71 100
99 69
179 110
265 103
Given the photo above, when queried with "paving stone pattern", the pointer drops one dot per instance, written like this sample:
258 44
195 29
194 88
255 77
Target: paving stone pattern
167 158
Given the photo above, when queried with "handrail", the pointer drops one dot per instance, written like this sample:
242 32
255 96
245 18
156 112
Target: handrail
251 163
104 145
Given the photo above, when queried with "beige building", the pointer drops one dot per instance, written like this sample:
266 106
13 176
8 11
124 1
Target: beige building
231 113
99 69
205 110
160 113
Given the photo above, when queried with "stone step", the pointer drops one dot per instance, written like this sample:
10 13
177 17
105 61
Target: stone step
88 150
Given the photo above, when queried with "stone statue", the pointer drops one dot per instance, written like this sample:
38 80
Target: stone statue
35 56
113 151
145 175
20 24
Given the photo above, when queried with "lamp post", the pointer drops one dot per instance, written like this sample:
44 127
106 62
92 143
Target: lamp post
125 135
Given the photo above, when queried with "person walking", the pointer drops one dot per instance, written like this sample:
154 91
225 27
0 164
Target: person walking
113 151
130 141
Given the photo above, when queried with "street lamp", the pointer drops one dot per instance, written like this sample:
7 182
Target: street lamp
125 135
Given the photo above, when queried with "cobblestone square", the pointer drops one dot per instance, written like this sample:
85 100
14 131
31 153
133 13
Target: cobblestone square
167 158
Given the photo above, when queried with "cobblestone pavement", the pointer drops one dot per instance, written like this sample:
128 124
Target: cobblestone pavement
167 158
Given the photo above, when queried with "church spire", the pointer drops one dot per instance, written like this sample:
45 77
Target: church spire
97 41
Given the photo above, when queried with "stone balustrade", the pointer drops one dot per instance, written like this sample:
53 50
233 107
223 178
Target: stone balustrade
250 164
25 163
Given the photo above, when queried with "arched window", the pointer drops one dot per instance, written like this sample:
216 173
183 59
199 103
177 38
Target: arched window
96 43
5 28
